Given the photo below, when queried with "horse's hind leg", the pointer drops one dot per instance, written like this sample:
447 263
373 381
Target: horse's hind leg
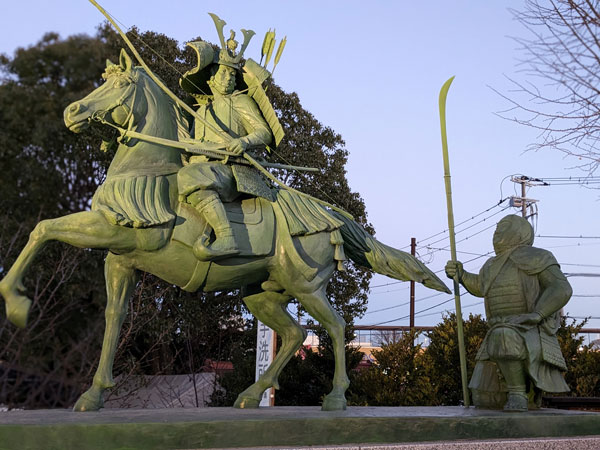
86 229
317 305
121 279
270 308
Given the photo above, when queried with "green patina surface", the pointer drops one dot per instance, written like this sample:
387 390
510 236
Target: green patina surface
524 291
223 427
164 167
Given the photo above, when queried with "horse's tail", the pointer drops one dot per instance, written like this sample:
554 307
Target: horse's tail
365 250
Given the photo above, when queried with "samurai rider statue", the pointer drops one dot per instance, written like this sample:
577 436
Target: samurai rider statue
524 291
232 121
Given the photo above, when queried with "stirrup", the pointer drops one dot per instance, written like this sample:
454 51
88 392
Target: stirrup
205 252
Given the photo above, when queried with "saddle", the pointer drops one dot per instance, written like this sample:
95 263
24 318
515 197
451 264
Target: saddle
252 221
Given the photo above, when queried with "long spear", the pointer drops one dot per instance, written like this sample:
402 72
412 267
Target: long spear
459 321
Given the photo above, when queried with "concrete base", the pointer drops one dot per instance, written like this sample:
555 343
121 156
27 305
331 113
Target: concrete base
281 426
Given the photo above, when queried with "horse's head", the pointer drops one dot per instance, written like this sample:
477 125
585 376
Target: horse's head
129 99
114 102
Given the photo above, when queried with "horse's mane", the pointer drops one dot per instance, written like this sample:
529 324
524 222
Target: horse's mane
165 105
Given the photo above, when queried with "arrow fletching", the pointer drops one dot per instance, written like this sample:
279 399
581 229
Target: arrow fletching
265 46
270 49
279 52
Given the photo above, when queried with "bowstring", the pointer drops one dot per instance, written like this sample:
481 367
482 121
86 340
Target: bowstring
281 157
162 58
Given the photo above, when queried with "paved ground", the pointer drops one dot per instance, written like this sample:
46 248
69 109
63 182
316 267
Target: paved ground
581 443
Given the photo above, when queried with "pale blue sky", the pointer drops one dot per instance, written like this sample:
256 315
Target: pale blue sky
372 71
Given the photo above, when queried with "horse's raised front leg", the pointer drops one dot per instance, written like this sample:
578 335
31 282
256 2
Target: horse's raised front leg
121 278
317 305
270 308
87 229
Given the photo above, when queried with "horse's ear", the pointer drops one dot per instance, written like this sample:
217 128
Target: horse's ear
109 63
125 61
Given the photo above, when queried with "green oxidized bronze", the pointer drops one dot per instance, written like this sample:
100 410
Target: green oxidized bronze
208 222
524 291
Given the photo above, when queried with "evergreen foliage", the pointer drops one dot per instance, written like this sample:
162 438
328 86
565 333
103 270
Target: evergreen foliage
49 171
583 361
444 359
399 377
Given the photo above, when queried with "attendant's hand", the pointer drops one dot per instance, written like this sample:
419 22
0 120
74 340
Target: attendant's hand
526 319
237 146
454 268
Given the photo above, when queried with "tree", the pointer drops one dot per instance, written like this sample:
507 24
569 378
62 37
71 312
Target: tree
399 376
49 171
45 174
444 360
561 96
583 362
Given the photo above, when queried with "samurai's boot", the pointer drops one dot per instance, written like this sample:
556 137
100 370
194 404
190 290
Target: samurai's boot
514 375
209 205
517 400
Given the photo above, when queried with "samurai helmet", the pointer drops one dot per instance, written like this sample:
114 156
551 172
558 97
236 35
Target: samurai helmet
195 80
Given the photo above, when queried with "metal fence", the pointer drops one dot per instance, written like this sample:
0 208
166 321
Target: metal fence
377 336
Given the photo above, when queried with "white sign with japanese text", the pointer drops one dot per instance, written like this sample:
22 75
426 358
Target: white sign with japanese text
264 357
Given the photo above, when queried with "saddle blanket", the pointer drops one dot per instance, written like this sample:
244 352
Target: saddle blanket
252 221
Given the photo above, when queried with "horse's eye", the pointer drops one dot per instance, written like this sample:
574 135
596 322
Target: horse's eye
120 83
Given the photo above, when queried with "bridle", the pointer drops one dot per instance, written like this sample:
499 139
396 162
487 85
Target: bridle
131 91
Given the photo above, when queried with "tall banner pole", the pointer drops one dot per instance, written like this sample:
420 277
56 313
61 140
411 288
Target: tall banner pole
459 321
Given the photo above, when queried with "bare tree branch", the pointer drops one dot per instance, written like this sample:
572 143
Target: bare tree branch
561 63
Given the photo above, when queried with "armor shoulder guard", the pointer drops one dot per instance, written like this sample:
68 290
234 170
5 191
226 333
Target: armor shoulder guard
533 260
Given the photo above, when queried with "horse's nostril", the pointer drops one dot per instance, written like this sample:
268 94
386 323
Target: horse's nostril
74 108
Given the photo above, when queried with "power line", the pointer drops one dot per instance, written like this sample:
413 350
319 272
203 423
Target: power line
471 226
589 275
582 317
392 290
403 304
568 237
441 312
446 249
579 265
573 245
594 178
465 221
418 312
386 284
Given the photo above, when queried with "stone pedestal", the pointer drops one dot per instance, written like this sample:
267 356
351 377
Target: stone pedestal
147 429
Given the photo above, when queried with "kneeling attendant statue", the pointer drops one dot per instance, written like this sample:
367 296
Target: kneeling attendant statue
524 291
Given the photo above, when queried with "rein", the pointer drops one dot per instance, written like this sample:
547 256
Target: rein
100 115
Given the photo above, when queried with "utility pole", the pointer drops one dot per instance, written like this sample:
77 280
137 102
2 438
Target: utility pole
413 252
523 202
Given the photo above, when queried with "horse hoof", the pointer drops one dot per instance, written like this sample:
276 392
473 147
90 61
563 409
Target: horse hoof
17 310
331 403
88 402
246 403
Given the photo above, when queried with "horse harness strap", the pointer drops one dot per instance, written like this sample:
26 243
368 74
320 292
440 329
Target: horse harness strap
100 115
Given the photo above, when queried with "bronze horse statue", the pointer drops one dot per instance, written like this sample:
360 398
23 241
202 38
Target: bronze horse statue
286 253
